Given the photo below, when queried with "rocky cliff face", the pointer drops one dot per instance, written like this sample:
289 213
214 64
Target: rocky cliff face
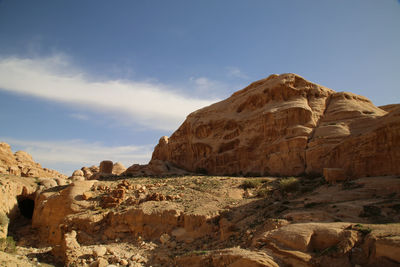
22 164
286 125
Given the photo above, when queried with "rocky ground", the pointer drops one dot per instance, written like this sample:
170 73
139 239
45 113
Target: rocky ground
209 221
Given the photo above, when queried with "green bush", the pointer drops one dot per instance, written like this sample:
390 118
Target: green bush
362 229
290 184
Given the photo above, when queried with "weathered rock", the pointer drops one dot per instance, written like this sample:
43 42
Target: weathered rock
164 238
118 168
68 246
22 164
87 195
388 247
77 178
78 173
99 251
3 225
51 210
234 257
155 167
11 190
286 125
333 175
106 167
47 182
101 262
123 262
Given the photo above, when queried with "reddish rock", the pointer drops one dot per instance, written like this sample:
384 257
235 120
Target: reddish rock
22 164
106 167
334 174
286 125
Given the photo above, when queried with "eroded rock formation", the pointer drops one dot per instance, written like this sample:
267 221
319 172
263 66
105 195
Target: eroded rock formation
22 164
286 125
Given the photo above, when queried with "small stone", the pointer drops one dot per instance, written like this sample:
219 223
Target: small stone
99 251
135 257
123 262
87 195
172 244
164 238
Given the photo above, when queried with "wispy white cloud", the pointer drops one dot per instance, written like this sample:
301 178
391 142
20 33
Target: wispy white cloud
204 86
236 72
154 105
68 155
79 116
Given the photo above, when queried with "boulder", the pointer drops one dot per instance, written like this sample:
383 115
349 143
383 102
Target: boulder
47 182
99 251
106 167
69 245
78 173
332 175
118 168
388 247
51 210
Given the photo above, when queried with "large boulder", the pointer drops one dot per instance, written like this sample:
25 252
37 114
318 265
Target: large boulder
118 168
51 209
106 167
286 125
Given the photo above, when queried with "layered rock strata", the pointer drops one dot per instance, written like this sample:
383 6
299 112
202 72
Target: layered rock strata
286 125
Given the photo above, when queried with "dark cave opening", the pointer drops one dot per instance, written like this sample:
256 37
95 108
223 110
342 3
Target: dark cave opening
26 206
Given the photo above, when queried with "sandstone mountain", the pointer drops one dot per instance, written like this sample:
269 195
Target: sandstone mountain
22 164
286 125
161 214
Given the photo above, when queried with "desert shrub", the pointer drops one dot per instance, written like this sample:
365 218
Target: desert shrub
362 229
7 244
290 184
252 183
249 184
263 192
328 251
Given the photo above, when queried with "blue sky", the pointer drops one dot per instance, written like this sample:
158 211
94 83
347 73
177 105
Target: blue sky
83 81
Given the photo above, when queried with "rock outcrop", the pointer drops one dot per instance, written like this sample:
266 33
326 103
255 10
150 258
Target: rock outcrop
106 168
118 168
154 168
22 164
286 125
